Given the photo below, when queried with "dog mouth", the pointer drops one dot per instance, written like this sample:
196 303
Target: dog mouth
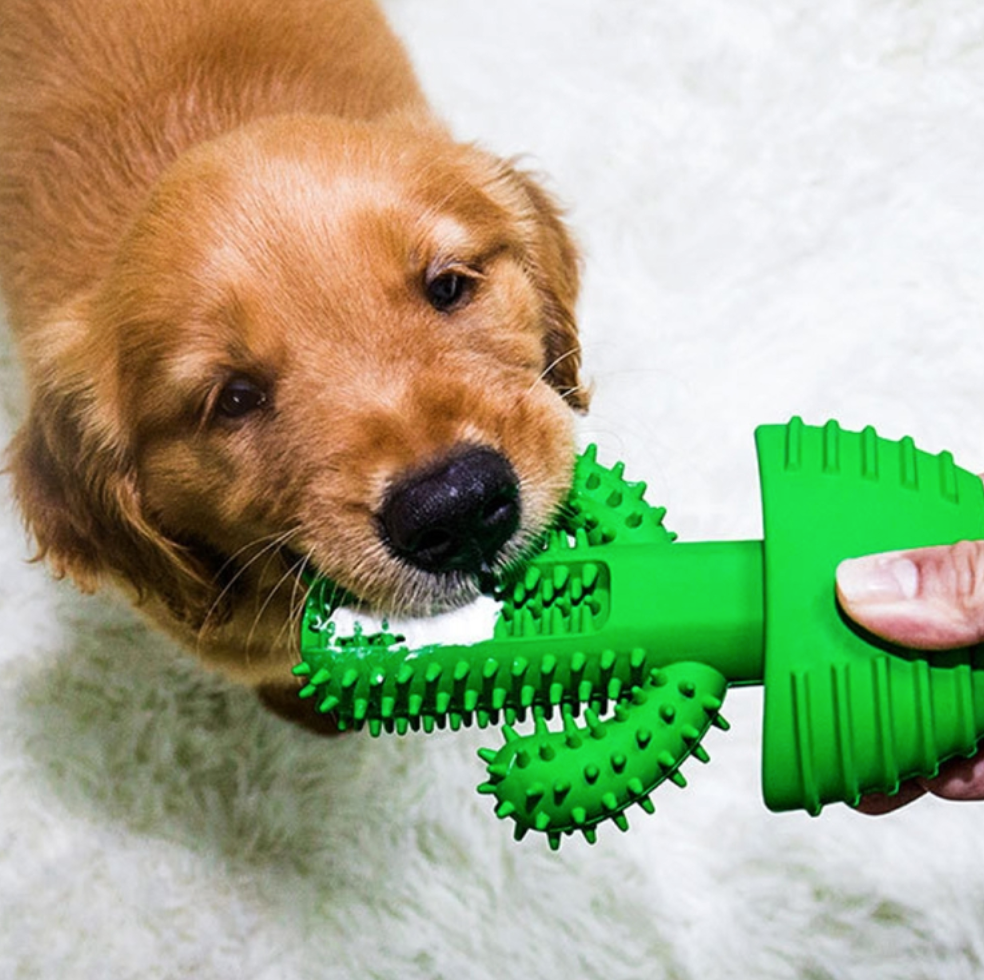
396 589
412 592
442 535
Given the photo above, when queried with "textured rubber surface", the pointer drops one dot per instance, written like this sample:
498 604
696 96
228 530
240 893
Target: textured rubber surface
845 714
560 782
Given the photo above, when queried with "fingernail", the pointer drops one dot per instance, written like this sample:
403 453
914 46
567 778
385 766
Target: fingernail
878 578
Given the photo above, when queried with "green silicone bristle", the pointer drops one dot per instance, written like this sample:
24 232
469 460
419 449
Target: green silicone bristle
606 508
380 685
559 782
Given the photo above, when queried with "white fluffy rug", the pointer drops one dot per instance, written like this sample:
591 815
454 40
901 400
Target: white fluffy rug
782 210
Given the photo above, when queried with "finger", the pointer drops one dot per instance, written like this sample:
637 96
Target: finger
876 804
928 599
959 779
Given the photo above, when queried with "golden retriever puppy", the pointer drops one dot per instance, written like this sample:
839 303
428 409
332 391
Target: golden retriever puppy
273 318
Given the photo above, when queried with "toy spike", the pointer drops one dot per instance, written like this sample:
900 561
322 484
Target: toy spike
532 797
642 636
572 733
505 809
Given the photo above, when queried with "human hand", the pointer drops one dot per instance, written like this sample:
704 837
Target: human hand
929 599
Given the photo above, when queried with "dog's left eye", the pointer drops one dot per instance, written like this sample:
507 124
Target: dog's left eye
448 290
238 397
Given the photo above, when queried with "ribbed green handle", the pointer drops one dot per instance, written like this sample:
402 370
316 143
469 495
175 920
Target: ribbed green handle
845 713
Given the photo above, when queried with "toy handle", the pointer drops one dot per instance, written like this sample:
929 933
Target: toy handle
846 713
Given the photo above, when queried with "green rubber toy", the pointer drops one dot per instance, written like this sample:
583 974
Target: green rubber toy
614 623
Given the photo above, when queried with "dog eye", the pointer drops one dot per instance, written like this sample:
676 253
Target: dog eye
239 397
448 290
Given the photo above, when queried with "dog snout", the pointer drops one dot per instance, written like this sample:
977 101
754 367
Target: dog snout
454 515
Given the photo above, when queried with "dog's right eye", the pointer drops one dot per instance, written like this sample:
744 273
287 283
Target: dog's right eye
450 289
238 397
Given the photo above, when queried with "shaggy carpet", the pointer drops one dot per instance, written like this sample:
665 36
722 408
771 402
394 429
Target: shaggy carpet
780 207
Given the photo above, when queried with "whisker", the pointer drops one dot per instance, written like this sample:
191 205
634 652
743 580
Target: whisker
570 352
295 610
295 615
573 390
271 539
271 544
293 573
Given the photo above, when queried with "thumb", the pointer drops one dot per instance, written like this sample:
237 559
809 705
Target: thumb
928 599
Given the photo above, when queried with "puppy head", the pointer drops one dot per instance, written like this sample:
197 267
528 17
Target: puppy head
314 329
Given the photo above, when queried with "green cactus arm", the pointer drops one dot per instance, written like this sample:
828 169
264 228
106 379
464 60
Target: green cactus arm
562 638
612 614
563 781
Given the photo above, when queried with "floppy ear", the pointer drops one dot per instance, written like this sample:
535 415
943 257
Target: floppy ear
555 266
78 492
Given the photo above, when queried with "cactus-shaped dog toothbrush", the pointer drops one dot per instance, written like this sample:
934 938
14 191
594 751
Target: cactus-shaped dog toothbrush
615 623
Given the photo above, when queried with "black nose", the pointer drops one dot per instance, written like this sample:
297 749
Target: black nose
455 515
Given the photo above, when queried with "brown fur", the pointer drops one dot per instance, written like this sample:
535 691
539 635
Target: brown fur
192 190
